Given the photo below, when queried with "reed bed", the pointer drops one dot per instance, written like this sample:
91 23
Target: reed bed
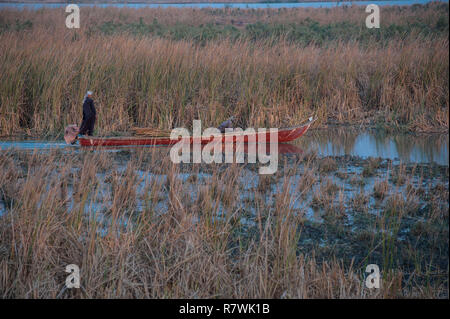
141 227
282 66
148 131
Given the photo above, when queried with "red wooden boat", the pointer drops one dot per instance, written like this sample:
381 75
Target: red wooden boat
284 135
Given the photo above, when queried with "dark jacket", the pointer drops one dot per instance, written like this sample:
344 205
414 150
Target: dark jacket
89 115
89 109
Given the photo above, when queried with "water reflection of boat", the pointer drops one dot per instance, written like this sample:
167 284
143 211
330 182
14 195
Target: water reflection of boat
283 134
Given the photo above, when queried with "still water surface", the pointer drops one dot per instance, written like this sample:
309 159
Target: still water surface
407 148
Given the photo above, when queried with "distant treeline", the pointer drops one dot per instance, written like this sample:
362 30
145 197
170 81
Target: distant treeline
172 1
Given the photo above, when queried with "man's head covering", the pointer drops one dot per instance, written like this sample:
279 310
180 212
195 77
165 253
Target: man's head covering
86 96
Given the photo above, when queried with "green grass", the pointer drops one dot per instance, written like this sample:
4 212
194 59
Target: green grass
303 33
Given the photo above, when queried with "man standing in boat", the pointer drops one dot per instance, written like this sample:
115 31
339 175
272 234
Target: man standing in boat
89 115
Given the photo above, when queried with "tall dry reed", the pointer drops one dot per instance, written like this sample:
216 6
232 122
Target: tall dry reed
140 227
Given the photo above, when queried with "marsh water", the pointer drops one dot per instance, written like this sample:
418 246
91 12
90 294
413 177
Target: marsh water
242 5
347 187
405 148
350 152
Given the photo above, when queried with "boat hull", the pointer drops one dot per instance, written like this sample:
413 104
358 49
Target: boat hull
284 135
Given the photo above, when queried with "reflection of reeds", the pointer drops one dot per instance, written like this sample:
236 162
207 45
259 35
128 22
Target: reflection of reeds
340 140
425 148
427 145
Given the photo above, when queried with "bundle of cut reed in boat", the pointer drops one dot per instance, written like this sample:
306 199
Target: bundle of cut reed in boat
149 131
